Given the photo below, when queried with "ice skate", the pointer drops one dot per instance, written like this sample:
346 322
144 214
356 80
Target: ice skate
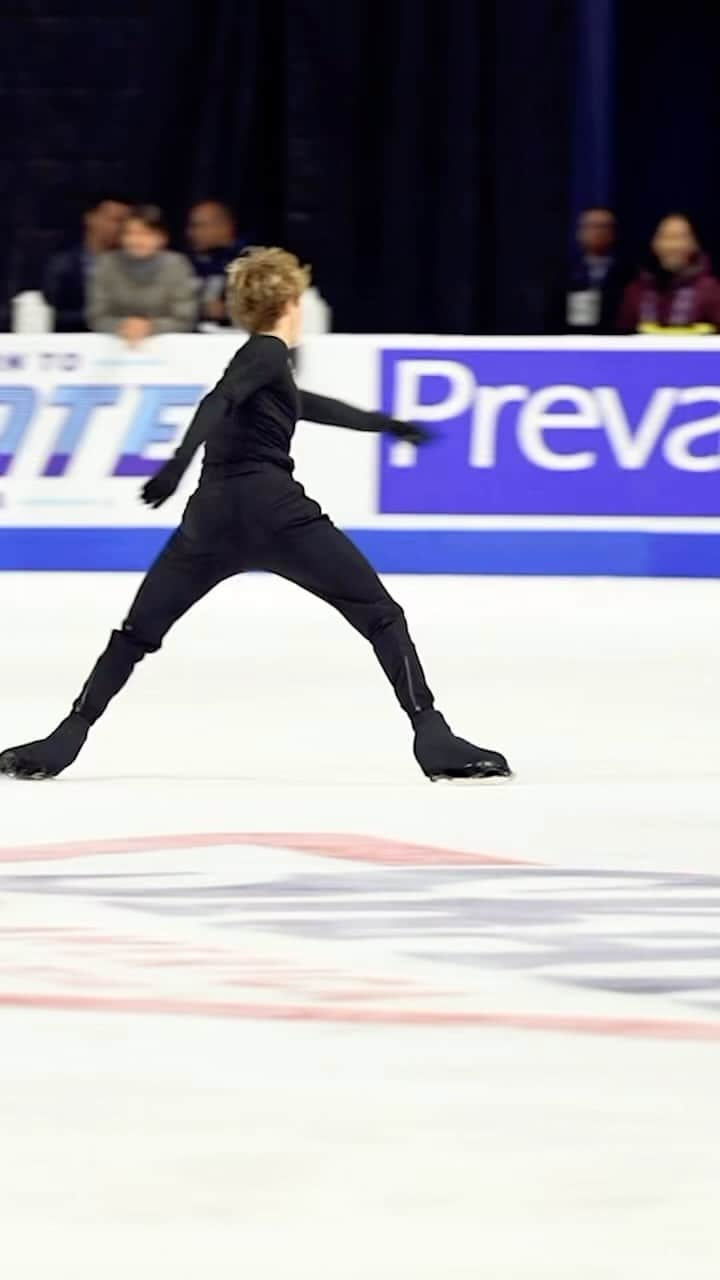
443 756
49 756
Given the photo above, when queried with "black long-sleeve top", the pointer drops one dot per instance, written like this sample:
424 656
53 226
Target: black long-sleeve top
64 286
250 416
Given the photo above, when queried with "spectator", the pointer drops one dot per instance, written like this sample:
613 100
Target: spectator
594 286
142 289
66 277
677 291
214 243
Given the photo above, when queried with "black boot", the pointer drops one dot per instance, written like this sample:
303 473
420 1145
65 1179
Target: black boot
48 757
441 755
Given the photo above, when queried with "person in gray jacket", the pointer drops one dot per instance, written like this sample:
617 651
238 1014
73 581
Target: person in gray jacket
142 289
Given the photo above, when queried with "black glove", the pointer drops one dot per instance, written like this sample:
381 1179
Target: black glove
411 431
163 484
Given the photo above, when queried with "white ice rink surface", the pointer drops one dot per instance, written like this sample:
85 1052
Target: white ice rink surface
238 1038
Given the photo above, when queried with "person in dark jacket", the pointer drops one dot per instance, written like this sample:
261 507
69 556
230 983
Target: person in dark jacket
66 275
214 243
589 300
678 290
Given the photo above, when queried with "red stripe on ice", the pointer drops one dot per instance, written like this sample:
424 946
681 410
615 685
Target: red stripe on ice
354 848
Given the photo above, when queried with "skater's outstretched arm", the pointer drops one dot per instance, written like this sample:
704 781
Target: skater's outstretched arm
336 413
240 380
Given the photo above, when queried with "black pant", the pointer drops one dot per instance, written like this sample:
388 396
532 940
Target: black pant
262 521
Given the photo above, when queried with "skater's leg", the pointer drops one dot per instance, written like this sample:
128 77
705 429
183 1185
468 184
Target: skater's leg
318 557
181 575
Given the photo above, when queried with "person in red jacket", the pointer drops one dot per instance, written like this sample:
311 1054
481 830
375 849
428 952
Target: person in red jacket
678 291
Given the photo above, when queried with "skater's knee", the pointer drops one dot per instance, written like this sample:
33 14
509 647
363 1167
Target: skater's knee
139 638
373 618
388 614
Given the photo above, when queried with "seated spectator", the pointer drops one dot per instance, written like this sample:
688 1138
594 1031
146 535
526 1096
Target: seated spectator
142 289
214 243
66 276
594 284
677 291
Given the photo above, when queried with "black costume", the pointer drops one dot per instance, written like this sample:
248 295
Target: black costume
249 513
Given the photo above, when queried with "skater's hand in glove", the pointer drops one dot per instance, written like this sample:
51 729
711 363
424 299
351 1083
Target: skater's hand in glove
163 484
412 432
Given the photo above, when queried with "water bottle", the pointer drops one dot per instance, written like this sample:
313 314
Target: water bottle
31 313
316 314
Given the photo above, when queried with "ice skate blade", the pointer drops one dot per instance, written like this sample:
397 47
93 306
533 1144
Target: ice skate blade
467 776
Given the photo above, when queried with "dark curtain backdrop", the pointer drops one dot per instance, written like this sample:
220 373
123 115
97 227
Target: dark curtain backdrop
428 158
415 151
70 99
153 99
428 151
668 118
214 110
593 158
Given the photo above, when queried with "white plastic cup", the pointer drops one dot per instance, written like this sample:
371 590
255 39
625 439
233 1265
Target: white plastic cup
316 314
31 313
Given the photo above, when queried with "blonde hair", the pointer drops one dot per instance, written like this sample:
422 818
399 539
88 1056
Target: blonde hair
261 283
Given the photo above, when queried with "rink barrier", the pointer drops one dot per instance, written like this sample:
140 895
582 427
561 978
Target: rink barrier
556 552
549 456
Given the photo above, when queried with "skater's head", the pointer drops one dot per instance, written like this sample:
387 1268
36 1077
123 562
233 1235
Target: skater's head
264 291
210 225
145 231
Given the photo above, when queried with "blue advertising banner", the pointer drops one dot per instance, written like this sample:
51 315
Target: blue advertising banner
628 432
552 456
